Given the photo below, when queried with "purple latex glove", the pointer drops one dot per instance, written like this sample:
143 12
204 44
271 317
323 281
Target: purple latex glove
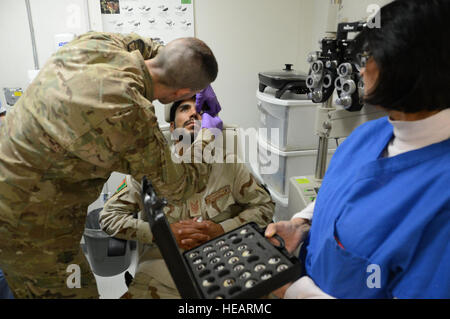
206 101
209 121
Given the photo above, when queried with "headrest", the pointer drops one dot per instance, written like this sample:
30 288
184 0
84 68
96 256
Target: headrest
167 108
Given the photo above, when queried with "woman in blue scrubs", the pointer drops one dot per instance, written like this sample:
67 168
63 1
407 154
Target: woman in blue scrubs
381 221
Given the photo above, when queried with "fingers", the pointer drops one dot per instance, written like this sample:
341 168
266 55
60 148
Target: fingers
186 233
194 241
271 230
196 237
191 233
274 241
281 228
193 223
287 230
188 230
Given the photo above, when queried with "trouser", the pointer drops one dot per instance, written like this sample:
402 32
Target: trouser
35 273
152 281
45 260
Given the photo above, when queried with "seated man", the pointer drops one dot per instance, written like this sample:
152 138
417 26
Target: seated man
233 197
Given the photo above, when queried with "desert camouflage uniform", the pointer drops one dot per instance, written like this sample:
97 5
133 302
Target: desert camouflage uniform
87 113
232 198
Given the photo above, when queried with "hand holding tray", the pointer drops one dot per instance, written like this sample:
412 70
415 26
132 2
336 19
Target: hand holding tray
240 264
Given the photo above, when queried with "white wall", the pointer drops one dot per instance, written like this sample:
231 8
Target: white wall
50 17
247 37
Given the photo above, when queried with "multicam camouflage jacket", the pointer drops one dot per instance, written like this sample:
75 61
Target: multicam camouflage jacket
87 113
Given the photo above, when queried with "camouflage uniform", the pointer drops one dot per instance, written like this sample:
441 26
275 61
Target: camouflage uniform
232 198
87 113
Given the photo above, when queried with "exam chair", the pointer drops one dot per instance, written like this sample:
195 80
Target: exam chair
108 256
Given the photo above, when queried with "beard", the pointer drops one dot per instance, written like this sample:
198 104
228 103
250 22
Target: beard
184 135
187 139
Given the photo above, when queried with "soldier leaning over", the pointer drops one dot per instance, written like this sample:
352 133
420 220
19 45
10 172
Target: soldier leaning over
88 113
232 198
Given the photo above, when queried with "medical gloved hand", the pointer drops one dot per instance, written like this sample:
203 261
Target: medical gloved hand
209 121
206 102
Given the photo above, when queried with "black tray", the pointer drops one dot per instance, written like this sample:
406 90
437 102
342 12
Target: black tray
239 264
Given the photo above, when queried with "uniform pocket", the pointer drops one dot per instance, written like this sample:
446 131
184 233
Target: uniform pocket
219 201
342 273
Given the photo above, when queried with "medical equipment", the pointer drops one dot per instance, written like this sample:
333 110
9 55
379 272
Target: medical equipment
286 123
284 80
12 95
107 256
286 140
332 69
276 167
239 264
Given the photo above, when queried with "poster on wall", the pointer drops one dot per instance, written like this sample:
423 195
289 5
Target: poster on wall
162 20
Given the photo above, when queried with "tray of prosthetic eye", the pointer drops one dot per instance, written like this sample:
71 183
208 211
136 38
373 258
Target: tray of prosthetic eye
242 263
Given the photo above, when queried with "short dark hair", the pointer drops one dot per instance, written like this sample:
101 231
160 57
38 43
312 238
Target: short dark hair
412 52
175 105
187 63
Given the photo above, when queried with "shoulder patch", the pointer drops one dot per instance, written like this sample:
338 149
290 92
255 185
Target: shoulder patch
121 186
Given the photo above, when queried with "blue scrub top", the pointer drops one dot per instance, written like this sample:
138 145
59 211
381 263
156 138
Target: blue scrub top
381 226
5 292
